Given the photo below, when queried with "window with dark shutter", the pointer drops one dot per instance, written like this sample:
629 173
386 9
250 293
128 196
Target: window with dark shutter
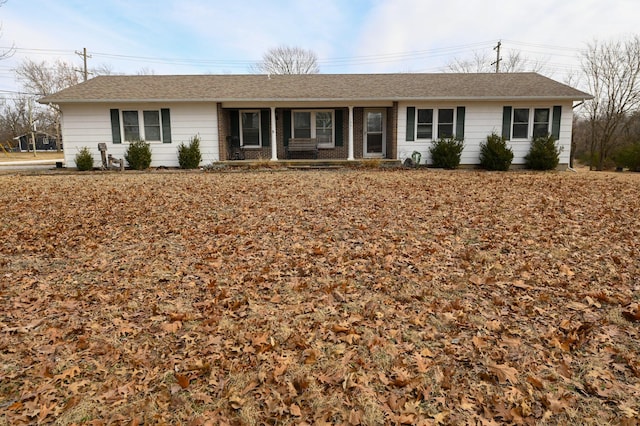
166 125
411 123
115 126
265 126
555 126
460 113
506 123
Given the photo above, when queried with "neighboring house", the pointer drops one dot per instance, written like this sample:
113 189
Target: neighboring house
351 116
44 142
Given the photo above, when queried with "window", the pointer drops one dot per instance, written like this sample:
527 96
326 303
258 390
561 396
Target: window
151 125
314 124
540 122
445 123
250 128
324 128
302 124
520 123
130 125
425 124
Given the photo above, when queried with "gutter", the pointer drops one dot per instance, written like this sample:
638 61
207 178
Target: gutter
283 100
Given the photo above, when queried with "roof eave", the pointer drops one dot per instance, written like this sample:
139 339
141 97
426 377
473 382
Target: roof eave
47 101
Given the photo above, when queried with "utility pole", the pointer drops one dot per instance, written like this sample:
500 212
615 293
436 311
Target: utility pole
498 58
84 57
31 128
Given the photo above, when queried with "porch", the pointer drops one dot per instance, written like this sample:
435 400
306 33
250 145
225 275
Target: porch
255 132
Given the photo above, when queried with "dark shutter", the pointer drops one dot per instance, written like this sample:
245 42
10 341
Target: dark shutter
460 122
234 123
286 126
339 130
166 125
555 125
411 123
506 123
265 126
115 126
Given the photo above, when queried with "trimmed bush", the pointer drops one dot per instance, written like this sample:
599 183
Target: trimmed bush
446 152
629 156
138 155
544 154
495 154
189 156
84 159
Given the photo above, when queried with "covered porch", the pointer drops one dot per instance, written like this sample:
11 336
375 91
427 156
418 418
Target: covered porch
261 132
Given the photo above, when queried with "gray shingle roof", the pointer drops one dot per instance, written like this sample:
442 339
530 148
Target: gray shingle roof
316 87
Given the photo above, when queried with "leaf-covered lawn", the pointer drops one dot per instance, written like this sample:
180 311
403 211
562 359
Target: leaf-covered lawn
320 297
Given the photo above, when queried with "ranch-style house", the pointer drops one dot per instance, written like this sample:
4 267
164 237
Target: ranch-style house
323 116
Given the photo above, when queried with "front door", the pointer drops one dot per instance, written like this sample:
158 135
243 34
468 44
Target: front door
374 133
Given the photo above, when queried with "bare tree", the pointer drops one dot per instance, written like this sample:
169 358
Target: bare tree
146 71
14 120
612 73
103 69
482 62
44 79
287 60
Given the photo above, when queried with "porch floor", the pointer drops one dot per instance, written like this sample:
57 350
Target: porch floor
312 164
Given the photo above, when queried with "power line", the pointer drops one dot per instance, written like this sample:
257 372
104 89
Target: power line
337 61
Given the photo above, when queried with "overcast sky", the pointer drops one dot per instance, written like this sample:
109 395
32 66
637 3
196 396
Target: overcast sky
349 36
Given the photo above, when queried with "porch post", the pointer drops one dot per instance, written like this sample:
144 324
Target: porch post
274 142
350 157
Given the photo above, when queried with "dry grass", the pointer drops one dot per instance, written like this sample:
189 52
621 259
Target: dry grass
28 156
330 297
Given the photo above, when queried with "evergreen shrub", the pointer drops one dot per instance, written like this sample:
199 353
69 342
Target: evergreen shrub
138 155
495 154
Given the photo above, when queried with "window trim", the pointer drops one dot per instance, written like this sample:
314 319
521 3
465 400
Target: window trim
242 144
141 125
418 123
452 124
159 125
435 117
313 125
513 123
531 123
123 126
548 122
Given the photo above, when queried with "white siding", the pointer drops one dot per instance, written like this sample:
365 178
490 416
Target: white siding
481 119
89 124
